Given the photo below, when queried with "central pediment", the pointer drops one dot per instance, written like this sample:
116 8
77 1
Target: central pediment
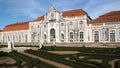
52 15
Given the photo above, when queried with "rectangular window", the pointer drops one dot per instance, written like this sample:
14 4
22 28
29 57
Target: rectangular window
96 36
62 24
8 38
38 27
25 37
76 26
112 35
71 36
31 28
19 38
62 37
32 35
52 15
3 38
81 24
118 36
16 38
104 34
13 38
71 23
44 26
81 36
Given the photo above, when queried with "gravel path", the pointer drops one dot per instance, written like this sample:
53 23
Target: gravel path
64 52
59 65
7 60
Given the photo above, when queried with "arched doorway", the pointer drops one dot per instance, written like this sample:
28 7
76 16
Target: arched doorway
52 35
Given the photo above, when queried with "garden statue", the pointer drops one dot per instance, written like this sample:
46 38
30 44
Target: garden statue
10 45
40 44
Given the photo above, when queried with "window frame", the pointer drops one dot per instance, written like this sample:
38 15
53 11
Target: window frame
81 24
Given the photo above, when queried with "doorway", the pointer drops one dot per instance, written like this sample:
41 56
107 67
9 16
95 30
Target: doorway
52 35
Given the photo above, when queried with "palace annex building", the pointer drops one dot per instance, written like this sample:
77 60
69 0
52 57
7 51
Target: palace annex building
74 26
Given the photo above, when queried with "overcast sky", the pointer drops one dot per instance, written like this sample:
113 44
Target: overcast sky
12 11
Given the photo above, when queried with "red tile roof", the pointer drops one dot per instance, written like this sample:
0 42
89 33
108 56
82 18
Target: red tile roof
16 26
39 18
112 13
68 13
112 16
76 12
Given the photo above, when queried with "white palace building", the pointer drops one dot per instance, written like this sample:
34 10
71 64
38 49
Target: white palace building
74 26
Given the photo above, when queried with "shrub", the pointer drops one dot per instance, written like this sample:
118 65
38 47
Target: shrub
1 46
74 57
3 53
55 57
35 61
19 63
117 64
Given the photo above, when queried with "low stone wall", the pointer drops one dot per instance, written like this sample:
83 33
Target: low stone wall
72 44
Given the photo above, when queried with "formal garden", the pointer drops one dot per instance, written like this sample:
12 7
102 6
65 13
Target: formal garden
22 61
75 57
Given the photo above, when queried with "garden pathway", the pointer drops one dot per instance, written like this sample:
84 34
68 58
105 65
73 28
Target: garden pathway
64 52
59 65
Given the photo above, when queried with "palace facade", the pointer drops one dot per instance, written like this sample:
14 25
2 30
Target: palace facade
67 26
